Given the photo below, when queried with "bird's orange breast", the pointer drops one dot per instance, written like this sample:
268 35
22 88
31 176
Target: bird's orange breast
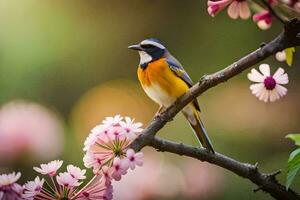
160 82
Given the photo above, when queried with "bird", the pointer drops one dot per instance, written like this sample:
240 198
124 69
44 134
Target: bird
164 80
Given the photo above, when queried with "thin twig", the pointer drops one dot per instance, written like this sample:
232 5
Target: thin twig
273 12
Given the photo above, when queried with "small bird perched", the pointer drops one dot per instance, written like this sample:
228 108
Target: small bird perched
164 80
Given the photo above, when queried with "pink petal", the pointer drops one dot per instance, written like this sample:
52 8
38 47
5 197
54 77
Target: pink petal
233 10
263 25
130 153
244 10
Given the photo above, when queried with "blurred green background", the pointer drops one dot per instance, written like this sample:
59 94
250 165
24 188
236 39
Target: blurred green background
72 57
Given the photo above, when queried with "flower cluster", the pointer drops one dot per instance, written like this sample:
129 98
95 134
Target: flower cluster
106 151
241 9
107 148
65 185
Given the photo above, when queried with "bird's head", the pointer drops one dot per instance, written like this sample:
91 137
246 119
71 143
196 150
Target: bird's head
149 50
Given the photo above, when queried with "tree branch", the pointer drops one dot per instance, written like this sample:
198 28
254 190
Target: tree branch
288 38
265 182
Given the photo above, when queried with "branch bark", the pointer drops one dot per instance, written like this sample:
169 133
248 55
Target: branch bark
265 182
288 38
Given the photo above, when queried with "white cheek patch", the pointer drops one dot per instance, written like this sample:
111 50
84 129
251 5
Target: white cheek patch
144 57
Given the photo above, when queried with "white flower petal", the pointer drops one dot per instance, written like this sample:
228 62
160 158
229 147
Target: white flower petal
281 90
255 76
273 95
265 69
279 72
281 77
255 88
263 95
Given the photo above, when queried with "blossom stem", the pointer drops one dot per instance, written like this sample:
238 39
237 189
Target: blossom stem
77 193
273 12
56 191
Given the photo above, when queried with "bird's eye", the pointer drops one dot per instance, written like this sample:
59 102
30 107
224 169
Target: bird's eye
146 46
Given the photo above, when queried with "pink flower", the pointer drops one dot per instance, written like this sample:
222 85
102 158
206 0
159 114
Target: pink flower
65 179
268 87
120 168
76 172
134 158
33 188
8 179
49 168
263 19
112 121
107 174
216 6
29 129
9 189
108 141
131 129
239 8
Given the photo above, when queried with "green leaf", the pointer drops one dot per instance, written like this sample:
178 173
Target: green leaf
295 138
289 55
293 167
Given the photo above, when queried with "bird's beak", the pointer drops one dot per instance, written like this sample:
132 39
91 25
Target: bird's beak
135 47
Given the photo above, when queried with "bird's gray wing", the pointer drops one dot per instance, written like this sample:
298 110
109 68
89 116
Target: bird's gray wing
177 68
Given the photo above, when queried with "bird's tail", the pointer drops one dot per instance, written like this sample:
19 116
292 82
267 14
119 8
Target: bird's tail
193 116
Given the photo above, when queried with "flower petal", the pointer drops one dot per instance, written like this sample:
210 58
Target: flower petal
257 87
255 76
265 69
233 10
280 77
281 90
244 10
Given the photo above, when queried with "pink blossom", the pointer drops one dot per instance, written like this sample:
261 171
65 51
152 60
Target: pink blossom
134 158
49 168
112 121
239 8
236 9
33 188
267 87
263 19
108 141
8 179
76 172
120 168
131 129
29 129
9 189
65 179
107 174
216 6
